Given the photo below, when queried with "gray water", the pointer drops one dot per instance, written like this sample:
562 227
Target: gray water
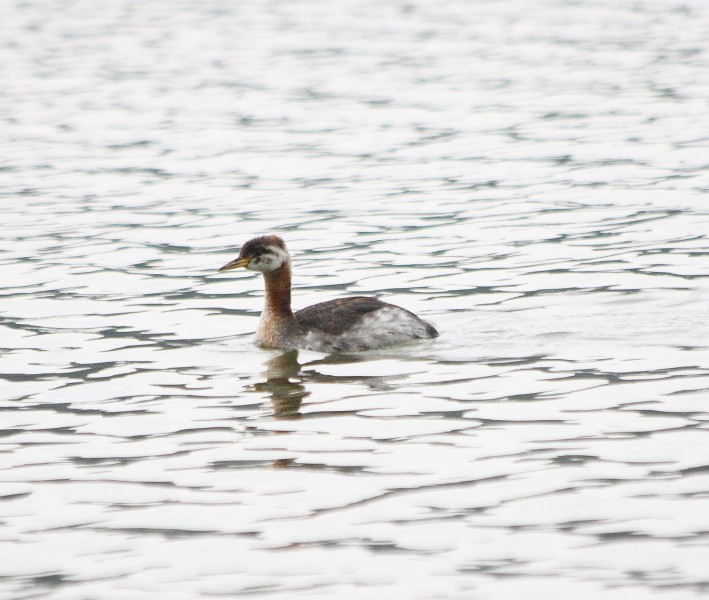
530 176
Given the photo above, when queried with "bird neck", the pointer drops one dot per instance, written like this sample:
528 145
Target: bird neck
278 292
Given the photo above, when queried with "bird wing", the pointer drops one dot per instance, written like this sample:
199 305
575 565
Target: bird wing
337 316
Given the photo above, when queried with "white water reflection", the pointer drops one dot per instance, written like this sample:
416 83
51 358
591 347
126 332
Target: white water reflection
530 177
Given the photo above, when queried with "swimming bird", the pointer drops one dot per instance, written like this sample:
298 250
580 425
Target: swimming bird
345 324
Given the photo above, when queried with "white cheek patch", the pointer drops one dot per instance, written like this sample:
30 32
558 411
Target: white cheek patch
281 257
274 258
260 263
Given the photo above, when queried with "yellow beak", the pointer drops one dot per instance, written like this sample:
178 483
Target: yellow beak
236 264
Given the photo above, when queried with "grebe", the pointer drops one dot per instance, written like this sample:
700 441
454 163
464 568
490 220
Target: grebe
345 324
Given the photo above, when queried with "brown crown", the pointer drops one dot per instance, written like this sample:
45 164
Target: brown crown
258 245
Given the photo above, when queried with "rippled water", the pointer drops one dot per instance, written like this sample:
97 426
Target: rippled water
531 176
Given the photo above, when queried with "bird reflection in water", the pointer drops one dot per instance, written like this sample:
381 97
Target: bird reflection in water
286 381
284 384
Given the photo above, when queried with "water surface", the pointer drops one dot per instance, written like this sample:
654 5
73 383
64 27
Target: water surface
529 176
